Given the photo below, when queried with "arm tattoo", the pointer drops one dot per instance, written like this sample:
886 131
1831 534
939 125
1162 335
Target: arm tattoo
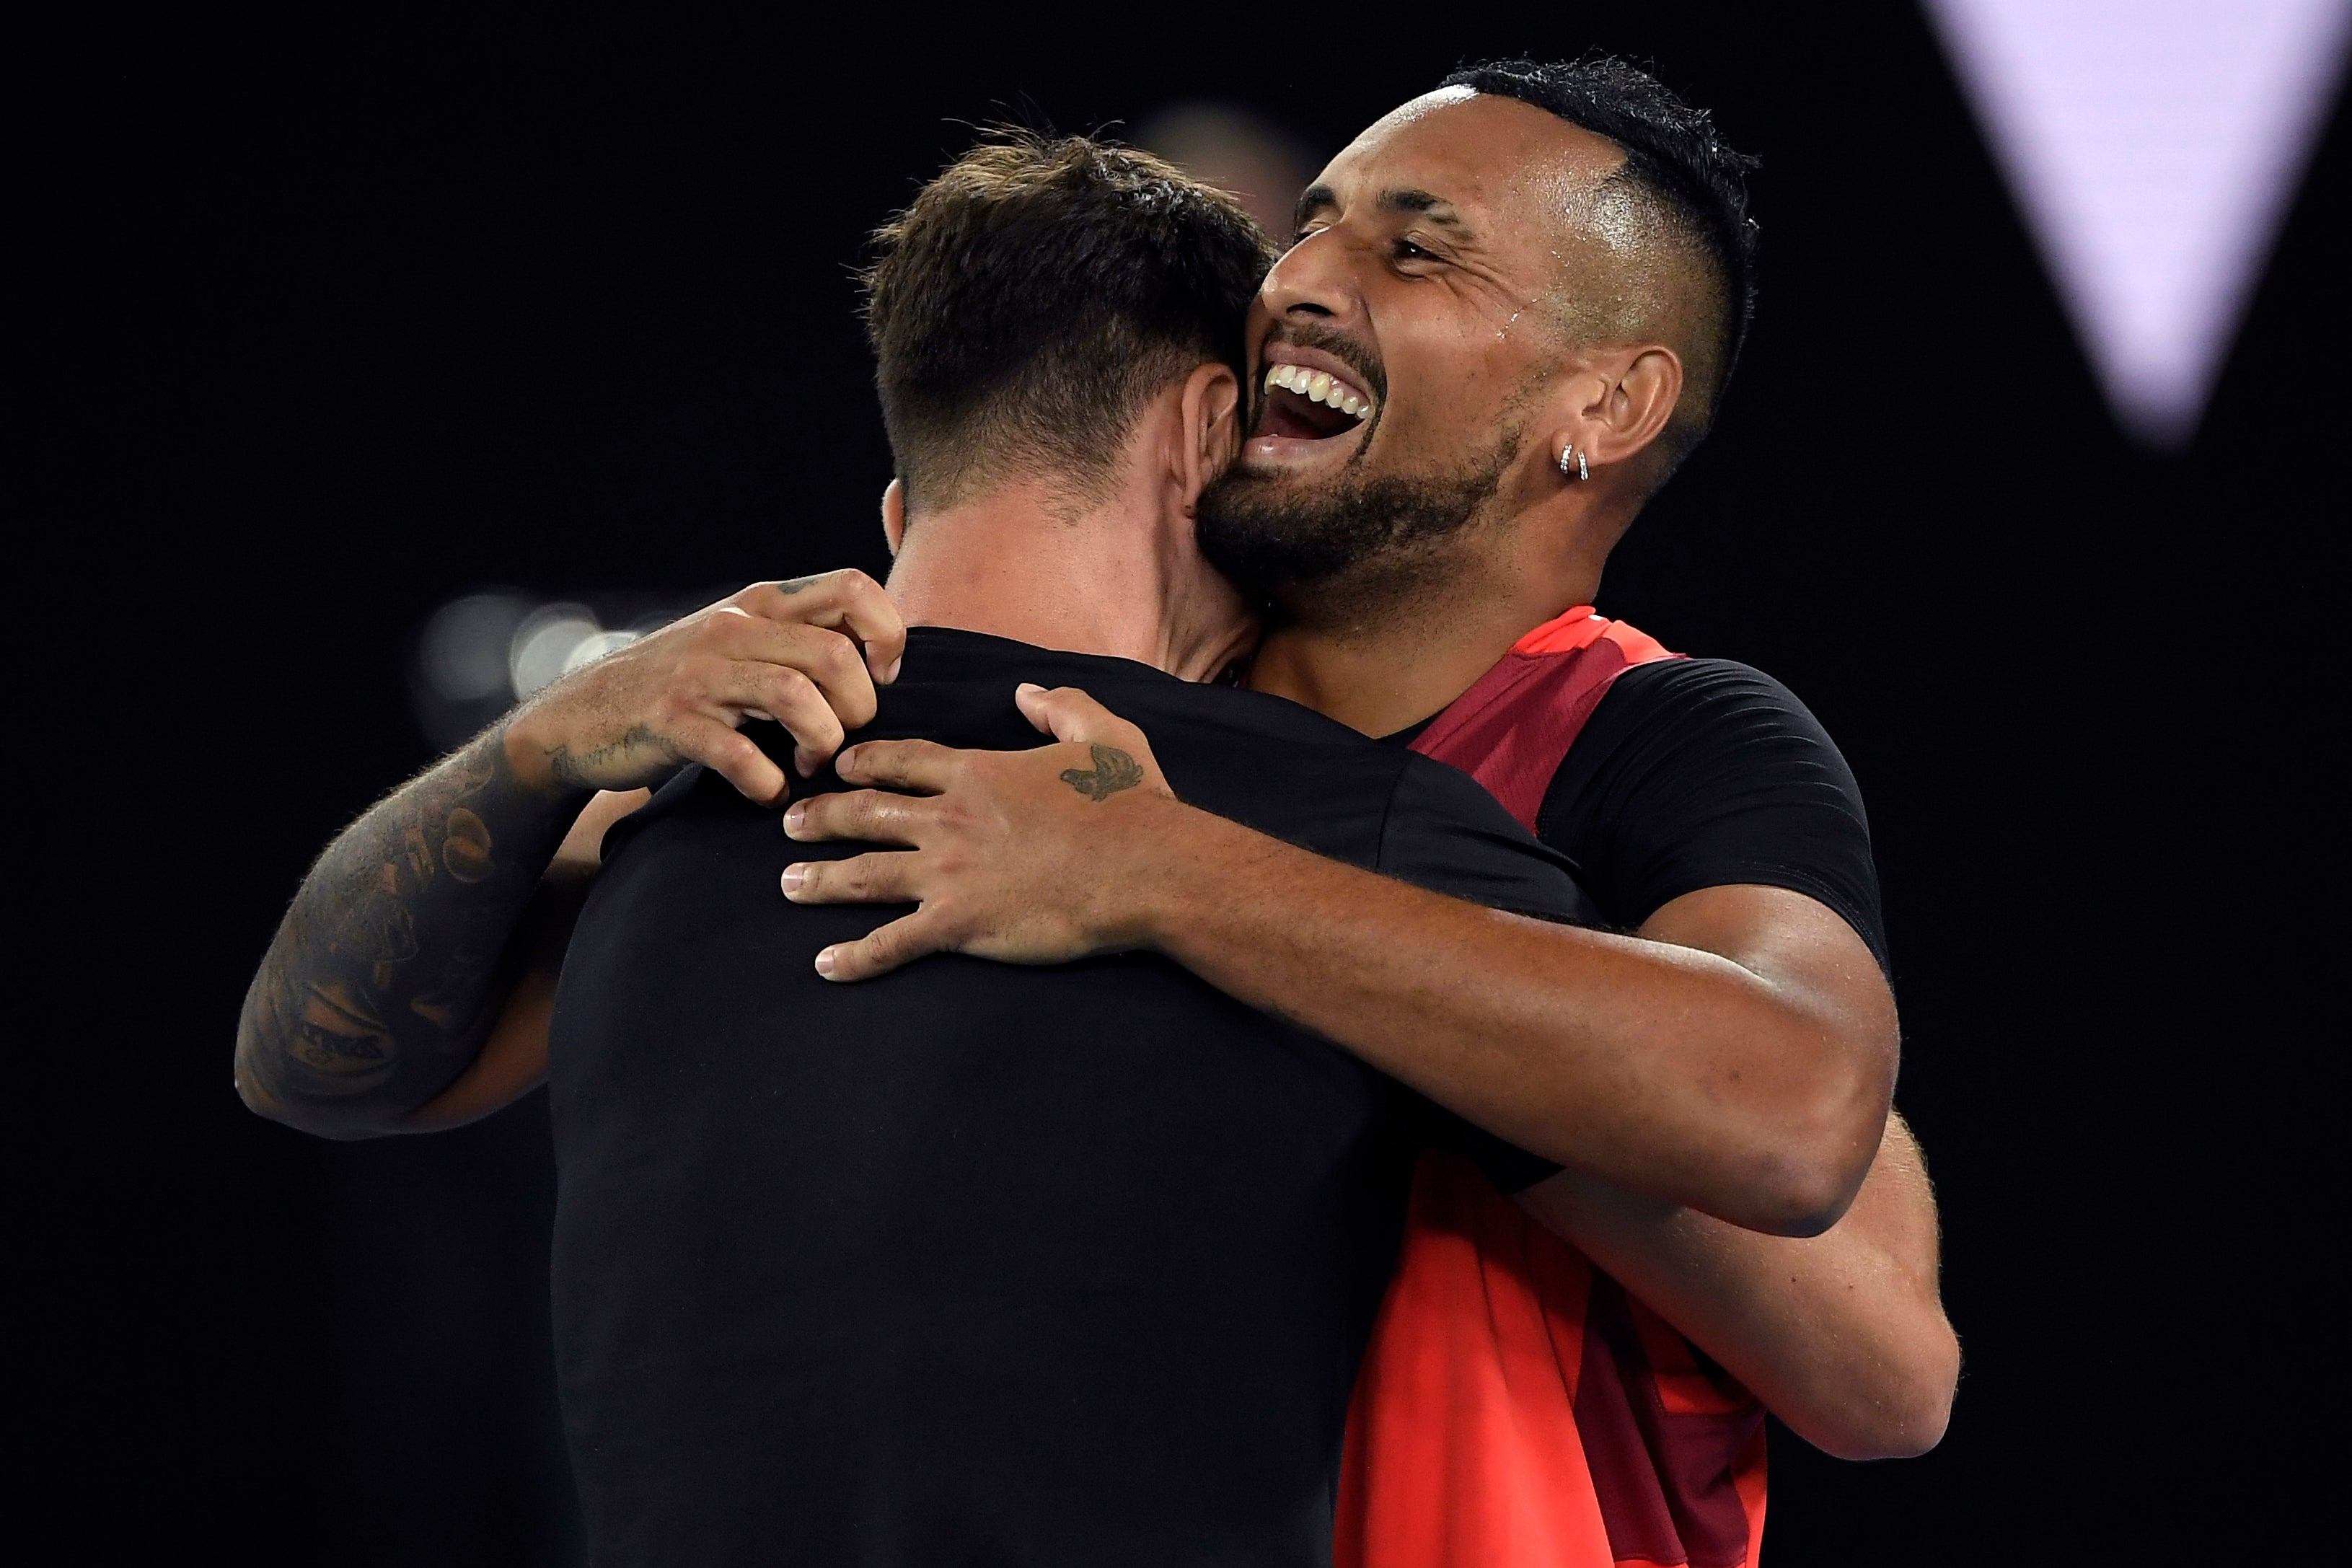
392 964
1114 770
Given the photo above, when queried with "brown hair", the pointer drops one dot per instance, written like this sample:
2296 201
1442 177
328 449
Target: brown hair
1029 301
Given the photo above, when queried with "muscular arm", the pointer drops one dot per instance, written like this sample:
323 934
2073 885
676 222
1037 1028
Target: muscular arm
389 965
513 1059
1737 1056
1842 1335
1732 1058
388 976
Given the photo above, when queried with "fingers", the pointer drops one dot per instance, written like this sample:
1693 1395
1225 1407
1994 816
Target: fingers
846 601
922 765
828 658
887 877
886 948
874 816
791 699
1067 713
730 755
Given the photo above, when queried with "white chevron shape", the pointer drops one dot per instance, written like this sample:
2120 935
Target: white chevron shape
2154 146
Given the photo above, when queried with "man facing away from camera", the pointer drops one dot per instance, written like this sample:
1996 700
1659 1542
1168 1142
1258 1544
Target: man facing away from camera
1510 311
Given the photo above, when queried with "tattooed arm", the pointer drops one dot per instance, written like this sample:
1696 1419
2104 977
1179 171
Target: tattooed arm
391 968
391 964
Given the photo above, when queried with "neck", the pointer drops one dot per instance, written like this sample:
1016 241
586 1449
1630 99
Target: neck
1119 576
1383 661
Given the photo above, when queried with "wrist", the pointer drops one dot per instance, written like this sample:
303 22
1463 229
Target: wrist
534 755
1177 850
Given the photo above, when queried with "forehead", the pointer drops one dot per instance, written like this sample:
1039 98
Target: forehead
1490 157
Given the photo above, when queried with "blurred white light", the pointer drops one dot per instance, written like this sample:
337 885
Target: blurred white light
544 645
463 652
593 649
2154 146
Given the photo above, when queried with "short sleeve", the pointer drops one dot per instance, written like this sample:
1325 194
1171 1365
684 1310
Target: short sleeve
1704 772
1445 833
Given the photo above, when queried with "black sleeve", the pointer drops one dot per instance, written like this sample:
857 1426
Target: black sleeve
1445 833
1700 772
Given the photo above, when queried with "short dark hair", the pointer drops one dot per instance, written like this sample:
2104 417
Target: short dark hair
1674 156
1031 298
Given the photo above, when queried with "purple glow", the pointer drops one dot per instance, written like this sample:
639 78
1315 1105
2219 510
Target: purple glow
2154 146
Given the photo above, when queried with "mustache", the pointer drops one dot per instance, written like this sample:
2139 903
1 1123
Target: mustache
1356 354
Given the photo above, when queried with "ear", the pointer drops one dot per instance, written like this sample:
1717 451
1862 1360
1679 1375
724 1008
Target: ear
1624 402
1209 423
894 516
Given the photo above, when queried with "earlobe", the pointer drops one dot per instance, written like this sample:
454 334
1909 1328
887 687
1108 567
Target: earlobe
894 516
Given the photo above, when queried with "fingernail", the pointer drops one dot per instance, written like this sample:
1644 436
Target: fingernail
891 674
793 876
792 816
1027 685
844 759
824 963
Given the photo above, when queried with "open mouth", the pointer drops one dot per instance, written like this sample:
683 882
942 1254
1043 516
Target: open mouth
1303 403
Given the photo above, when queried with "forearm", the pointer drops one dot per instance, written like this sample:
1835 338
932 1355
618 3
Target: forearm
392 960
1842 1335
1656 1066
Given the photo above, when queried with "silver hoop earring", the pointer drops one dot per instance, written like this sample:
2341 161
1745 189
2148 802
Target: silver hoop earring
1582 471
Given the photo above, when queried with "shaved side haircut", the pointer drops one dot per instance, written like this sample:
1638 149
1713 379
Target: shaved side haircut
1034 297
1687 194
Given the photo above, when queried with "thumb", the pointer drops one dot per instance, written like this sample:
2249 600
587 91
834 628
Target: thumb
1068 713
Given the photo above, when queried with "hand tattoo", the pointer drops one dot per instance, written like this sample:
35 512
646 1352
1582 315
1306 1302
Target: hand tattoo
391 964
1114 770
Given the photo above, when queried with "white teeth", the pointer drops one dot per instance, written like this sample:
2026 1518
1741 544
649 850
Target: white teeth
1319 386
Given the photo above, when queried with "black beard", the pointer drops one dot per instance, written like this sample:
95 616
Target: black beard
1276 541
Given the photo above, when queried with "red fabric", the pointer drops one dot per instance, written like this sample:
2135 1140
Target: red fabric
1516 1409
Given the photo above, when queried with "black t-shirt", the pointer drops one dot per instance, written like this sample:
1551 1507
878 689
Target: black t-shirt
1702 773
976 1263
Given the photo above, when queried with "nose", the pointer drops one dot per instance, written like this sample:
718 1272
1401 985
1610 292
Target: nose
1313 280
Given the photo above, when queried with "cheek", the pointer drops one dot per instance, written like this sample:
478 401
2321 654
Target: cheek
1446 393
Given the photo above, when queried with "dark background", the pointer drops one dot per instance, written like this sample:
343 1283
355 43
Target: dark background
327 323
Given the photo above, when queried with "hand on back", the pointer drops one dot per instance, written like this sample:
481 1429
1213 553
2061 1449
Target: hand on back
806 653
1010 854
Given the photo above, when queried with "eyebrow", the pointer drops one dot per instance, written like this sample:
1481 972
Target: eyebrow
1436 208
1418 203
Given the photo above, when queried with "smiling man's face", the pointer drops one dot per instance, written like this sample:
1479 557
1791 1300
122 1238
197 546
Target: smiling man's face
1402 347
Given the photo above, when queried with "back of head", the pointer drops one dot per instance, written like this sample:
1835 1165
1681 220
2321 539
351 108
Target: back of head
1034 297
1688 196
